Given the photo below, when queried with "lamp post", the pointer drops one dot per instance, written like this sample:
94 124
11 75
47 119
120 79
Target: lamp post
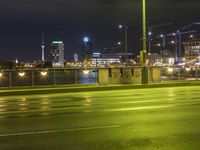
144 46
126 44
126 41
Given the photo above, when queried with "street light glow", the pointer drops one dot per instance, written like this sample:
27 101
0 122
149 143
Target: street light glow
172 42
43 73
191 36
170 69
120 26
150 33
86 72
86 39
1 74
119 43
187 69
21 74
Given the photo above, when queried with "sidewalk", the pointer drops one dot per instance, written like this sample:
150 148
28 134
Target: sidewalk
86 88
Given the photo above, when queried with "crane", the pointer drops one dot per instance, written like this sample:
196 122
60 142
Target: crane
178 39
150 28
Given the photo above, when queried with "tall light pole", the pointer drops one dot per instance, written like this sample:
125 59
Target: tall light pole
144 46
126 44
125 41
126 27
144 39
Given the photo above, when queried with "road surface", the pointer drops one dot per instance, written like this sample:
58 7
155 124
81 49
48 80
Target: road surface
138 119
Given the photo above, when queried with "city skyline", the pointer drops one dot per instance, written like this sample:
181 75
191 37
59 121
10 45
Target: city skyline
64 20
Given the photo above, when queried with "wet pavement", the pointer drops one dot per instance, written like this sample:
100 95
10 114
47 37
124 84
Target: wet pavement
158 118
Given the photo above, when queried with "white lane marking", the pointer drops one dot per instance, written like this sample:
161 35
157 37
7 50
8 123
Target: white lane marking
57 131
141 108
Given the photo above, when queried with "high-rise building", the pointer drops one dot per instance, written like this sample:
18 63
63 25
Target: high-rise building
57 53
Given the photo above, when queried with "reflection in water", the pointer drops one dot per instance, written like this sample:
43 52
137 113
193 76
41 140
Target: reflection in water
3 105
87 103
45 106
90 78
172 94
23 103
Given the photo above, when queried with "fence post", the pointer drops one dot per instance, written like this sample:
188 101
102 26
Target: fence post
161 73
33 78
10 78
75 76
196 71
97 74
54 76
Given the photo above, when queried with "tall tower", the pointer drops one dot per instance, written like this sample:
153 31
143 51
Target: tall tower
87 47
43 46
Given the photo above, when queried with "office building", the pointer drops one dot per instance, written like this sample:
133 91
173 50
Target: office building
192 50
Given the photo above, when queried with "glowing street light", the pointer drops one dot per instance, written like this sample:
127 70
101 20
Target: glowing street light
119 43
158 44
187 69
170 69
86 39
86 72
1 74
120 26
172 42
43 73
149 33
21 74
191 36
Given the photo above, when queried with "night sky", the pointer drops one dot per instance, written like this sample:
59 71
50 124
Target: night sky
21 23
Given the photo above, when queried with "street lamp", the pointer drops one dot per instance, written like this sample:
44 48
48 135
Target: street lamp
43 73
86 39
126 41
119 43
187 69
21 74
86 72
120 26
149 33
172 42
144 46
149 42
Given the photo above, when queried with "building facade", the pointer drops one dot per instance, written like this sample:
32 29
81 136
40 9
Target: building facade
57 53
192 50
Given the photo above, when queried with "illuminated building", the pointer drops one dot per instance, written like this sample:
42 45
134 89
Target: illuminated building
192 50
108 59
57 53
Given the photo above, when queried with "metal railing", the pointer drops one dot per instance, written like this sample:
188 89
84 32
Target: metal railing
52 76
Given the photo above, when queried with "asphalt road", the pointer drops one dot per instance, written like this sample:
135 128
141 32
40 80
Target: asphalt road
159 118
